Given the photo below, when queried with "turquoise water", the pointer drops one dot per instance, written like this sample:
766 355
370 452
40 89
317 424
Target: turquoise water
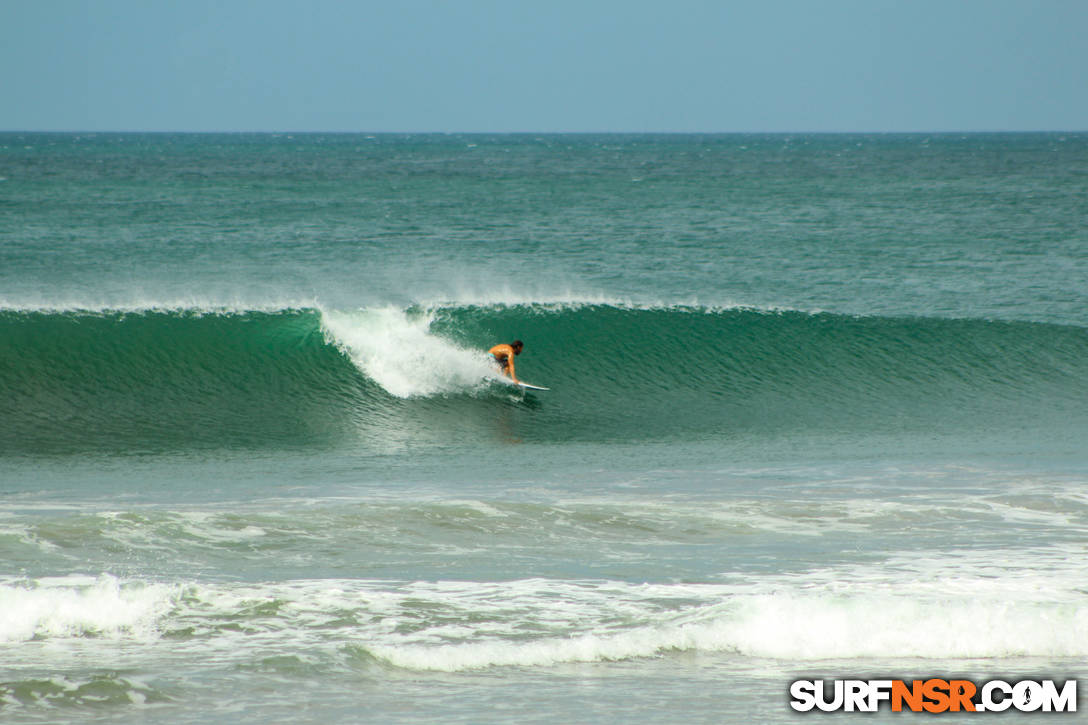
817 408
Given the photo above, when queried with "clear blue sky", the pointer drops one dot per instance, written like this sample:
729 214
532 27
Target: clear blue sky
545 65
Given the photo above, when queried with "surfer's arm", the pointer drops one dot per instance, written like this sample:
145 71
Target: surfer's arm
504 355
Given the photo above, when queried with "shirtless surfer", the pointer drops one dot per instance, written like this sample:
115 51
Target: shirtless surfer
504 355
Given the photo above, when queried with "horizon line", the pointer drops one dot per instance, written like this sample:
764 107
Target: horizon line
281 132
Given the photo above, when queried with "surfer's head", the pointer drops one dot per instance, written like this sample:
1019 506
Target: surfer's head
517 345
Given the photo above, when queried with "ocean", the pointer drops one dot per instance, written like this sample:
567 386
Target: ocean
818 409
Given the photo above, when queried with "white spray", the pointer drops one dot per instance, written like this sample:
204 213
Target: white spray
397 350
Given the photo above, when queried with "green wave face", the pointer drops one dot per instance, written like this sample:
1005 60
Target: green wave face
161 380
169 380
699 372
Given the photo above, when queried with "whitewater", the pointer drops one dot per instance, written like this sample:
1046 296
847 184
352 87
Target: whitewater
817 410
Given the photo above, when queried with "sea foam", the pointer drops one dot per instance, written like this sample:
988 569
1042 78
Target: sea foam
792 626
885 612
397 350
64 607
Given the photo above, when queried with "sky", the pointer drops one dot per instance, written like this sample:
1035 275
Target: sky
544 66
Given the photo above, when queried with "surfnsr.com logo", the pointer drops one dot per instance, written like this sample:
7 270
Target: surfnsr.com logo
933 695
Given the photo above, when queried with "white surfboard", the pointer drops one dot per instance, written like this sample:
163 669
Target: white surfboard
528 386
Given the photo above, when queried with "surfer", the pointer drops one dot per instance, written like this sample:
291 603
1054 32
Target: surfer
504 356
